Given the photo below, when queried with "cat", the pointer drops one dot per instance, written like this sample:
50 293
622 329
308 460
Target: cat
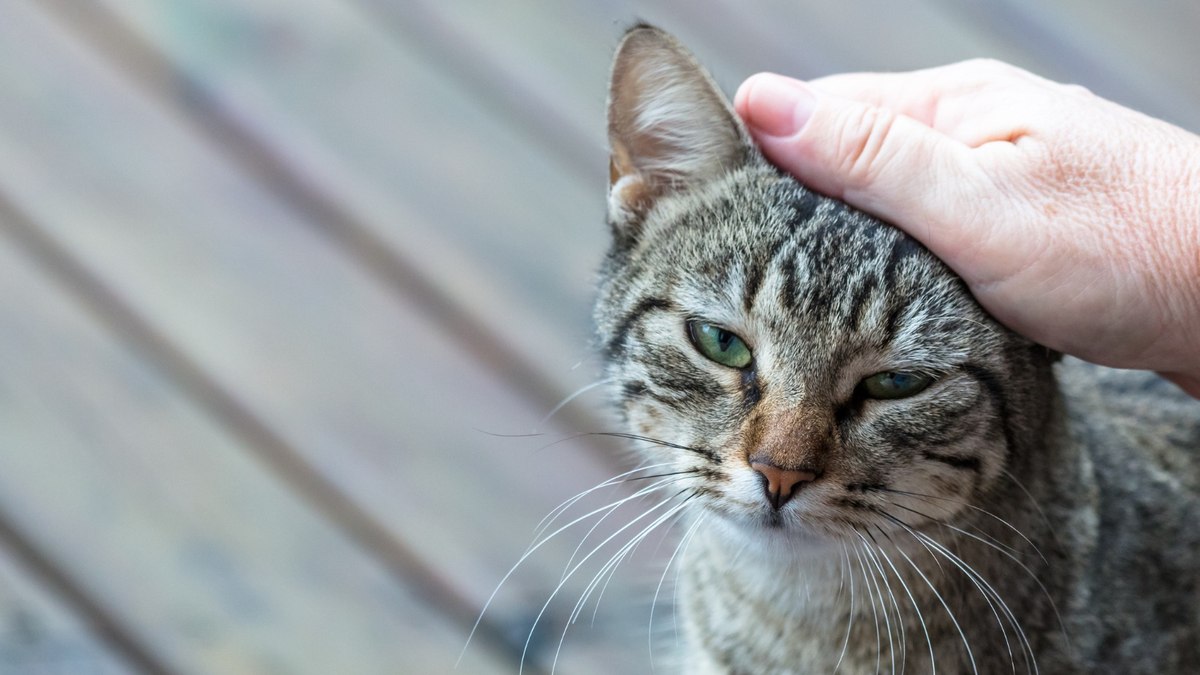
877 476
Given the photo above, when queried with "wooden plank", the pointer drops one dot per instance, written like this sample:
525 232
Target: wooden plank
357 381
163 519
40 634
367 119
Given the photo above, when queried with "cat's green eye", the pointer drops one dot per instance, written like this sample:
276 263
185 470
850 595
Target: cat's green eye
719 345
891 385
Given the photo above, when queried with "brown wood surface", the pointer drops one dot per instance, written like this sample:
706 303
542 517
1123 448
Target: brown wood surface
284 287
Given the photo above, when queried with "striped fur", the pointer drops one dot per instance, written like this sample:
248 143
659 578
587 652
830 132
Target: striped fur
997 522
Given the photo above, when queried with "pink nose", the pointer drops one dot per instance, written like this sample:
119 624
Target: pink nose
780 484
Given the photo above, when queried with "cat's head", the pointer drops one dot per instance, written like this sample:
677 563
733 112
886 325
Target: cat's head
812 368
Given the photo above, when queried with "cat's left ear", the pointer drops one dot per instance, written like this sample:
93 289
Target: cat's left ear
669 126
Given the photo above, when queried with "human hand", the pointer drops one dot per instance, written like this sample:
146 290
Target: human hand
1075 221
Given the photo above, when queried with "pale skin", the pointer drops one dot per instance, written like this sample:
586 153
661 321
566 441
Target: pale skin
1075 221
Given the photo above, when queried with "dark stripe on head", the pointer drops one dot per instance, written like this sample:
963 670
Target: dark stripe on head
787 289
616 345
819 299
803 208
893 318
902 249
858 303
754 278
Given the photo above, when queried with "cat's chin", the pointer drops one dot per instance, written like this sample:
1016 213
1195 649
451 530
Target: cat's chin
775 534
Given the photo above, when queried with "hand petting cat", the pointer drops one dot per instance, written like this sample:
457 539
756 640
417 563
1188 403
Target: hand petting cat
1074 220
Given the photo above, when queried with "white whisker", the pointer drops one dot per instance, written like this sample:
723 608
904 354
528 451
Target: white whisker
654 601
675 514
946 606
997 518
654 487
988 592
611 564
984 590
571 397
989 541
917 609
1032 500
871 597
874 590
850 615
531 550
549 519
678 568
871 554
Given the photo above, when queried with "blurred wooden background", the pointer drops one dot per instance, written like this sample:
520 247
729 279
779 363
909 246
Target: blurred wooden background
283 282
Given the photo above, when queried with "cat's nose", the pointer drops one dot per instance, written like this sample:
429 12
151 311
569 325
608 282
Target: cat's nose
780 484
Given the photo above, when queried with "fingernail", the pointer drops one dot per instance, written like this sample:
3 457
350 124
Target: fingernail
774 105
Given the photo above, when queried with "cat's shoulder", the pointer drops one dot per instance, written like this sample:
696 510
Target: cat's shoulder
1143 395
1130 416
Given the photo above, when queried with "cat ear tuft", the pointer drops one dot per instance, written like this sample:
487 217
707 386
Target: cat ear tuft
669 126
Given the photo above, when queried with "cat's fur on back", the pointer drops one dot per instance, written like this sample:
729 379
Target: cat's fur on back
881 477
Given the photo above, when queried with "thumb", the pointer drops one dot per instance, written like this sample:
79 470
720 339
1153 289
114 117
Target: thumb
878 160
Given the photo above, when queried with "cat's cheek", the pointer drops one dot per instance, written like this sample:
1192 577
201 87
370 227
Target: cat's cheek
652 421
938 484
670 436
646 420
920 496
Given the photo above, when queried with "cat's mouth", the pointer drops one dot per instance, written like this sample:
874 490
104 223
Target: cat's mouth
772 520
784 534
816 513
766 519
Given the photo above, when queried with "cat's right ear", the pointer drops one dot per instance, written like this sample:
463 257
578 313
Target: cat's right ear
669 127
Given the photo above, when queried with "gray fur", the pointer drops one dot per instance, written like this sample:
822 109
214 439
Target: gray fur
1069 490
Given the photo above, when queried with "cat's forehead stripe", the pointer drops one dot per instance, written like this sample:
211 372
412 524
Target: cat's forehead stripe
620 336
787 287
858 303
754 274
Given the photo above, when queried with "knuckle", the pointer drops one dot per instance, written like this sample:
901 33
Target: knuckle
1078 89
986 73
863 143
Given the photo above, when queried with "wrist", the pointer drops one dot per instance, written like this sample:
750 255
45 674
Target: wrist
1170 254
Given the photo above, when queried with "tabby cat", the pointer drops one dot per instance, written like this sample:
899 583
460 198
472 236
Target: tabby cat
877 475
